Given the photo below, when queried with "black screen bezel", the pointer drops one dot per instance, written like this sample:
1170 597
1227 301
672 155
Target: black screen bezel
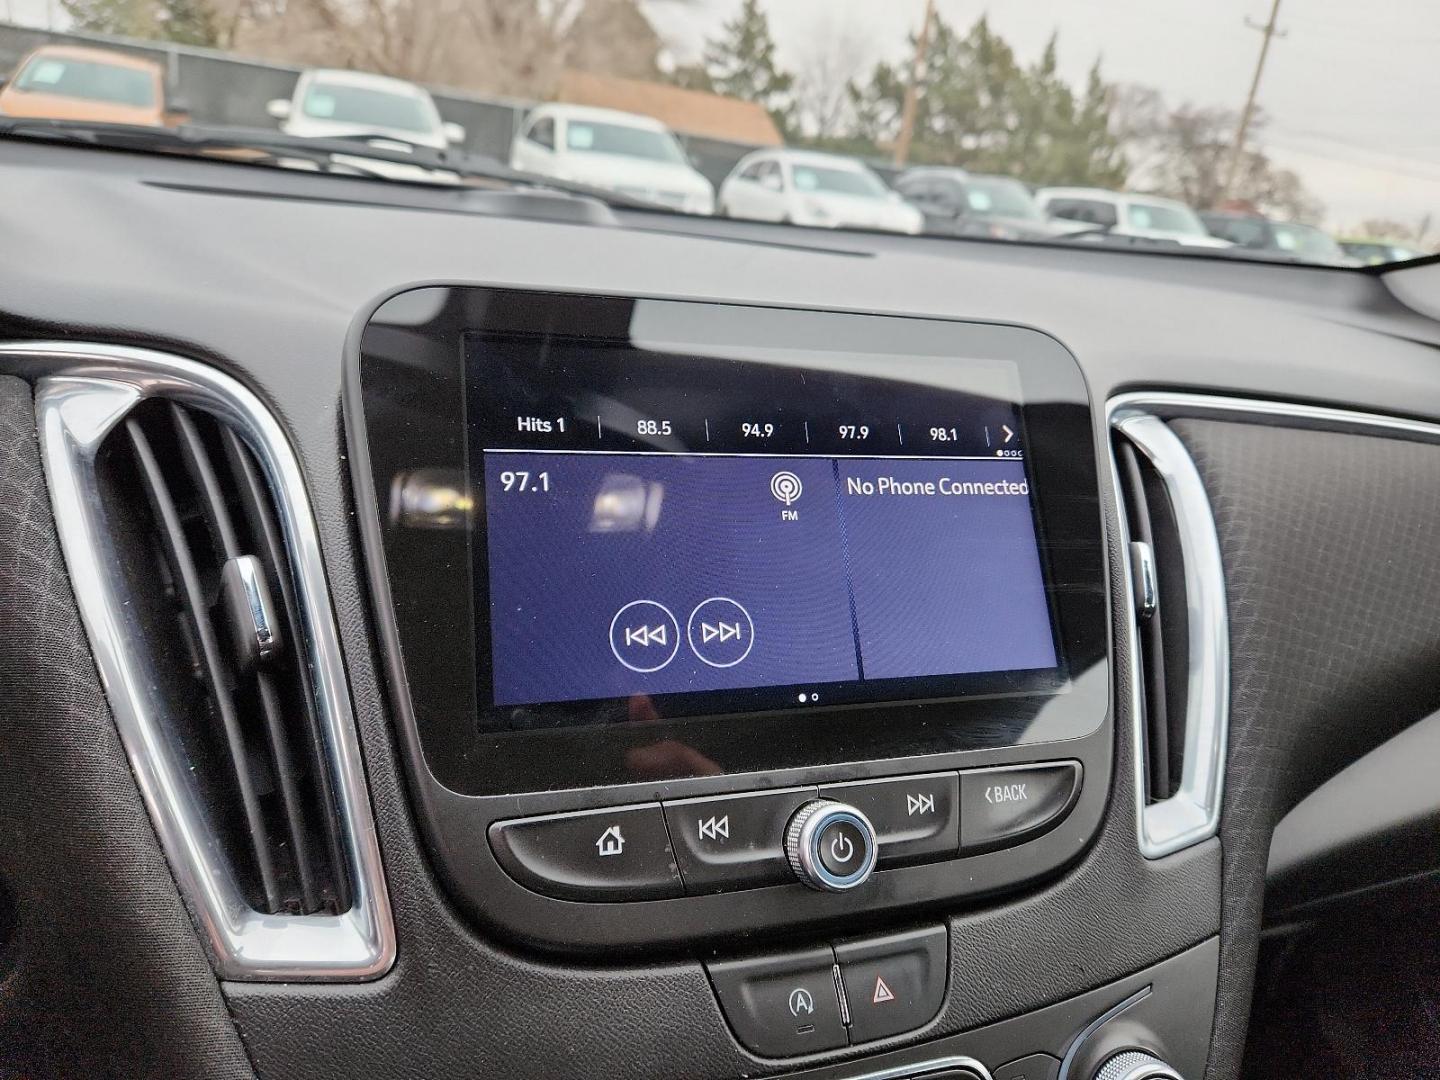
411 392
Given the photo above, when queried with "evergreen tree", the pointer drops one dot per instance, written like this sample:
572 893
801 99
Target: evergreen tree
965 109
977 107
741 63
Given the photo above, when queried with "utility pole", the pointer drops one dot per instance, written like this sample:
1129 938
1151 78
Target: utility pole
912 92
1237 150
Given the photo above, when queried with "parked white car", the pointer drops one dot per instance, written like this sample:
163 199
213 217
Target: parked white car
622 152
805 188
1121 214
333 104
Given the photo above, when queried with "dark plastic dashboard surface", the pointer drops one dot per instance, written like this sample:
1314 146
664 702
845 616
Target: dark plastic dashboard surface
262 275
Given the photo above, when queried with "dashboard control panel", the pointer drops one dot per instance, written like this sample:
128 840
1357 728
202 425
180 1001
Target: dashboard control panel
703 618
828 837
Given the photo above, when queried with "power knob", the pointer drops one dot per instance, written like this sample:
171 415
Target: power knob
1136 1065
830 846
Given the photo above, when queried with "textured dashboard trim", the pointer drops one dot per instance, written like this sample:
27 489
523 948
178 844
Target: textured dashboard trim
1286 694
83 391
102 972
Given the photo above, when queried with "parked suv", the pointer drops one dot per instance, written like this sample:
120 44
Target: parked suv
1148 217
1257 233
333 104
70 82
960 203
805 188
625 152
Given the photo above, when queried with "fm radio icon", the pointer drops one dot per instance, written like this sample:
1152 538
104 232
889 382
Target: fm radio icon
786 486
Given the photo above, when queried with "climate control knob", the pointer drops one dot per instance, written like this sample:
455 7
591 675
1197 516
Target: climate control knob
1136 1065
830 845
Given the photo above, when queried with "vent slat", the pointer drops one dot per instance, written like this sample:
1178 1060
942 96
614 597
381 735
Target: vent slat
256 506
289 789
202 473
172 536
1157 726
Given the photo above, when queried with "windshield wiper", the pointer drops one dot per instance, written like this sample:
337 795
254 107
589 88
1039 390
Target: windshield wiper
276 148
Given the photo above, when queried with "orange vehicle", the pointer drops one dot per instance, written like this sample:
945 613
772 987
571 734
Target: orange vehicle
65 82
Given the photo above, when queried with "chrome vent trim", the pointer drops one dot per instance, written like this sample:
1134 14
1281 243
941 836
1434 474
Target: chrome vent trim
1192 813
82 392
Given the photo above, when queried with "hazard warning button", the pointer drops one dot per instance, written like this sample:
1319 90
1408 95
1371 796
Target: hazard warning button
894 984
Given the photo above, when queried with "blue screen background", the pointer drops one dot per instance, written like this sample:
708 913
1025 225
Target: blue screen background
833 587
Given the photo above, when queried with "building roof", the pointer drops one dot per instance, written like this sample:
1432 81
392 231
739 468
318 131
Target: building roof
691 112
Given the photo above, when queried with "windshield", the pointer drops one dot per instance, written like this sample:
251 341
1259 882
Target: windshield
1308 120
1162 218
828 181
992 197
89 81
588 136
364 106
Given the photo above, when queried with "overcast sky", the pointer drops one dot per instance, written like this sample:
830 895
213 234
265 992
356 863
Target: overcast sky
1353 90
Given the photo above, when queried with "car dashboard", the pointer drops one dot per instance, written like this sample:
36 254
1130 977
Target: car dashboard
292 793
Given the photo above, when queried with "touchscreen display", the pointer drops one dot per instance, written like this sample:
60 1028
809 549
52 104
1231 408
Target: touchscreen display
672 535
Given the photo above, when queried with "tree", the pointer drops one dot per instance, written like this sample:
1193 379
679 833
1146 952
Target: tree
964 110
1390 229
613 37
691 77
1186 152
741 63
977 107
511 47
187 22
821 95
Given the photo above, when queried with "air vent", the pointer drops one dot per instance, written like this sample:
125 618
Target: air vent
196 568
210 575
1178 628
1157 581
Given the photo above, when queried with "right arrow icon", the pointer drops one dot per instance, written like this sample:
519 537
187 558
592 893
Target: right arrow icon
883 992
1008 433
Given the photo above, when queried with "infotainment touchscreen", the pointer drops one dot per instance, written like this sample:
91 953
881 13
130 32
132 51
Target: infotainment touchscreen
620 539
667 534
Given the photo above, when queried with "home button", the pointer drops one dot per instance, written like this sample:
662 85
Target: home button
617 854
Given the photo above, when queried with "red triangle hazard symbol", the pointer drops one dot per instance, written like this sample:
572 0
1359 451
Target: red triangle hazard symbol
882 992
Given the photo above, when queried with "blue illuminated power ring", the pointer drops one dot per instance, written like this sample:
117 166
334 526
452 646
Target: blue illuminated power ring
830 846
